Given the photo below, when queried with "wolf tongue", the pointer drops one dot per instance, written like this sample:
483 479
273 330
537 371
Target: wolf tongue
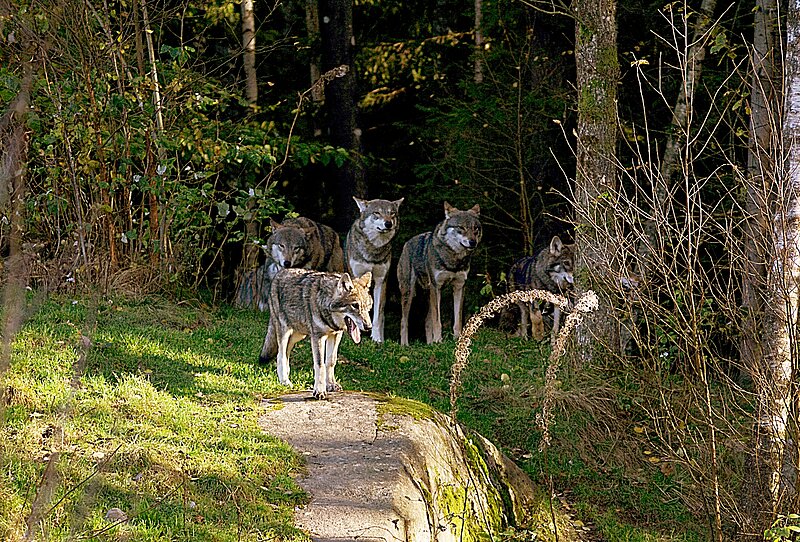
355 333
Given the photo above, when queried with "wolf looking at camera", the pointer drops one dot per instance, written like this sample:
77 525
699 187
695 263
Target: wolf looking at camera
368 249
321 306
550 270
300 243
434 260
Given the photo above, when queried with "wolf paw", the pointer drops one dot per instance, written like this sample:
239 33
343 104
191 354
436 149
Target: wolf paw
334 387
286 382
321 395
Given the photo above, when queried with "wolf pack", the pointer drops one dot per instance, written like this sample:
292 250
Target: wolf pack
316 288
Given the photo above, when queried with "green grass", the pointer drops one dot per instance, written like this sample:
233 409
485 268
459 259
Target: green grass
163 424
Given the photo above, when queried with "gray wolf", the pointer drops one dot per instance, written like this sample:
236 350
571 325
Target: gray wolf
299 243
434 260
550 270
321 306
368 249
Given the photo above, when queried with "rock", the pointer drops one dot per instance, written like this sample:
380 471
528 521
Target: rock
387 469
116 515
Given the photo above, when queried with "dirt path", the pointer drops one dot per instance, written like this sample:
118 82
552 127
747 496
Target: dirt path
354 469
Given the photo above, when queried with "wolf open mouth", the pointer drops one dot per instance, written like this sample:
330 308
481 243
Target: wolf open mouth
352 329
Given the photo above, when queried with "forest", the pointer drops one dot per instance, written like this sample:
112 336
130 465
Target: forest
147 145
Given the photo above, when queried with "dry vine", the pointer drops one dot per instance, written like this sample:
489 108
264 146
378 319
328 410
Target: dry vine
586 303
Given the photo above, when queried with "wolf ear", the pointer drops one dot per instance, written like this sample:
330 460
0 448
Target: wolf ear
397 202
365 280
476 210
345 283
362 203
448 210
309 232
274 224
556 245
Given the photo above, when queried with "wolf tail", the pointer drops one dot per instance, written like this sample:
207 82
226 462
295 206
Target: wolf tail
270 349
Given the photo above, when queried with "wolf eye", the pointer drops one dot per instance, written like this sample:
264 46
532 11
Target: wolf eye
354 306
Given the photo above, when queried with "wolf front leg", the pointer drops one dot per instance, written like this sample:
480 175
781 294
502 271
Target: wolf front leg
282 359
318 352
458 304
524 313
556 319
379 298
332 341
433 323
406 296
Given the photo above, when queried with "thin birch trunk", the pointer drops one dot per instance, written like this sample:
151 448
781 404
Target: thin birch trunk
774 383
765 97
478 41
249 42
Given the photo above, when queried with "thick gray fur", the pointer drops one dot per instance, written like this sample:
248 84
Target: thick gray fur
437 259
368 248
303 244
550 270
318 305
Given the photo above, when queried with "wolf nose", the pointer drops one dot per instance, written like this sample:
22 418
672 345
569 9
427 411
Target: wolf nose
472 243
387 224
287 263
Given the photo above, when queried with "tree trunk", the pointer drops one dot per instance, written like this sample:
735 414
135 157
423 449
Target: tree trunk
765 100
773 380
249 44
595 177
478 41
312 27
340 100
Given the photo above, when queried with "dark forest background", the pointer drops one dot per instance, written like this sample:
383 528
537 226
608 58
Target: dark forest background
110 188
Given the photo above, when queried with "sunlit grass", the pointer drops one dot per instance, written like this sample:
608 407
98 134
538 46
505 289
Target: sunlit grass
163 424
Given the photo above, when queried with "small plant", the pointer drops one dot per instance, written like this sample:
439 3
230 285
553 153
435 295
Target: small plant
784 529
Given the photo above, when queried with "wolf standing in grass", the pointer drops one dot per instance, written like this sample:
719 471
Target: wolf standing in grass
320 306
299 243
368 249
435 259
550 270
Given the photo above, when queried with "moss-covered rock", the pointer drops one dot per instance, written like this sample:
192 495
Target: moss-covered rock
386 468
468 487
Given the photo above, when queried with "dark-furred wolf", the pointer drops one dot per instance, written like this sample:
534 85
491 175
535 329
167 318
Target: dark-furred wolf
435 259
300 243
321 306
550 270
368 248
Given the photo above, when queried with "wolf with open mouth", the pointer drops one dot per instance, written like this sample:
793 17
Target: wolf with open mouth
321 306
